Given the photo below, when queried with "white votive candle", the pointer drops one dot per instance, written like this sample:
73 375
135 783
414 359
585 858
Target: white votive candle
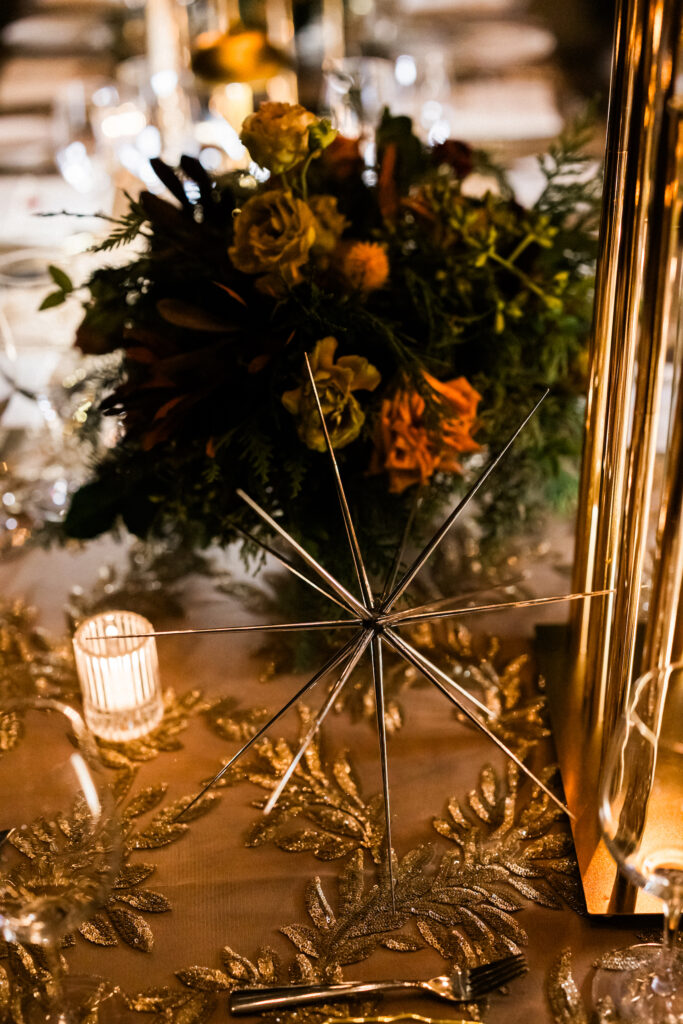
118 670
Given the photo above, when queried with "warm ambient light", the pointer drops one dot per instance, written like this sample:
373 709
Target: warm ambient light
119 677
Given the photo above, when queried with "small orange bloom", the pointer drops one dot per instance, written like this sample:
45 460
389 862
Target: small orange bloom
409 450
364 265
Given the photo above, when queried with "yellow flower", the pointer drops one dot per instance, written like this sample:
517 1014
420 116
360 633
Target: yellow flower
364 265
277 135
330 224
335 383
408 449
274 234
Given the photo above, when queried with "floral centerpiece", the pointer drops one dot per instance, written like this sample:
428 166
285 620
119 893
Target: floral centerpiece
431 312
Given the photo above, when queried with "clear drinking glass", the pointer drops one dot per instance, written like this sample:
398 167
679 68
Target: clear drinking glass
99 127
36 357
59 849
641 815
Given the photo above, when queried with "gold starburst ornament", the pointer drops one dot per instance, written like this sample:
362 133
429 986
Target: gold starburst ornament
375 626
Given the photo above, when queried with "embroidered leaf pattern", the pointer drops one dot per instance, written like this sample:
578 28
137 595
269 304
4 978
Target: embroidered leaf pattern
505 845
192 1006
67 856
100 931
122 919
463 903
233 723
505 686
205 979
125 758
321 811
563 994
131 927
31 661
26 984
433 905
265 969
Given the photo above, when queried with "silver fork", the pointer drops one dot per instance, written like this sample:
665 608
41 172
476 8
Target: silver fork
461 986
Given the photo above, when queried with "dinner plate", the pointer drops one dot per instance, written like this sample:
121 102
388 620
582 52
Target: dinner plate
63 31
500 44
30 82
478 8
21 129
25 142
507 109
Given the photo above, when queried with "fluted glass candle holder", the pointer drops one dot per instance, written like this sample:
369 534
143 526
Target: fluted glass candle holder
118 671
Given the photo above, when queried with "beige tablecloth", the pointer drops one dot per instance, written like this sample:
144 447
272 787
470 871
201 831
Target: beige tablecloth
223 893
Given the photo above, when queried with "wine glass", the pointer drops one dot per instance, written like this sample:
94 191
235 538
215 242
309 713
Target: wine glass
641 815
36 359
100 127
59 851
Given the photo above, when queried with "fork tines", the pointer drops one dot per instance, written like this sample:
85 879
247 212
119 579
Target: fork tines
488 977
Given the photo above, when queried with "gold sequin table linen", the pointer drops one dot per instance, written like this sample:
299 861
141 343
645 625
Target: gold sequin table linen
230 894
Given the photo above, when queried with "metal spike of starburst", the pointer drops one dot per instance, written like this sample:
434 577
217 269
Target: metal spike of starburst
433 544
287 564
375 625
356 554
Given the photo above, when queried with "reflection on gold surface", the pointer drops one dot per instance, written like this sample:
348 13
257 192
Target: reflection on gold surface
635 290
240 55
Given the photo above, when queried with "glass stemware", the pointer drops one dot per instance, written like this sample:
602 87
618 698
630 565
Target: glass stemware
641 815
59 852
37 357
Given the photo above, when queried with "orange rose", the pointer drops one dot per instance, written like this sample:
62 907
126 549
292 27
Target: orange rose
402 443
459 401
408 449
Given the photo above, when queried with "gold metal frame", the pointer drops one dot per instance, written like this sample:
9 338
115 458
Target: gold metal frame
637 286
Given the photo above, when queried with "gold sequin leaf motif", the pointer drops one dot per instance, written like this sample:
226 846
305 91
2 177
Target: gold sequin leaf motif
430 900
566 1004
504 685
31 661
503 845
233 723
362 922
58 867
322 811
121 919
203 987
26 983
125 758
